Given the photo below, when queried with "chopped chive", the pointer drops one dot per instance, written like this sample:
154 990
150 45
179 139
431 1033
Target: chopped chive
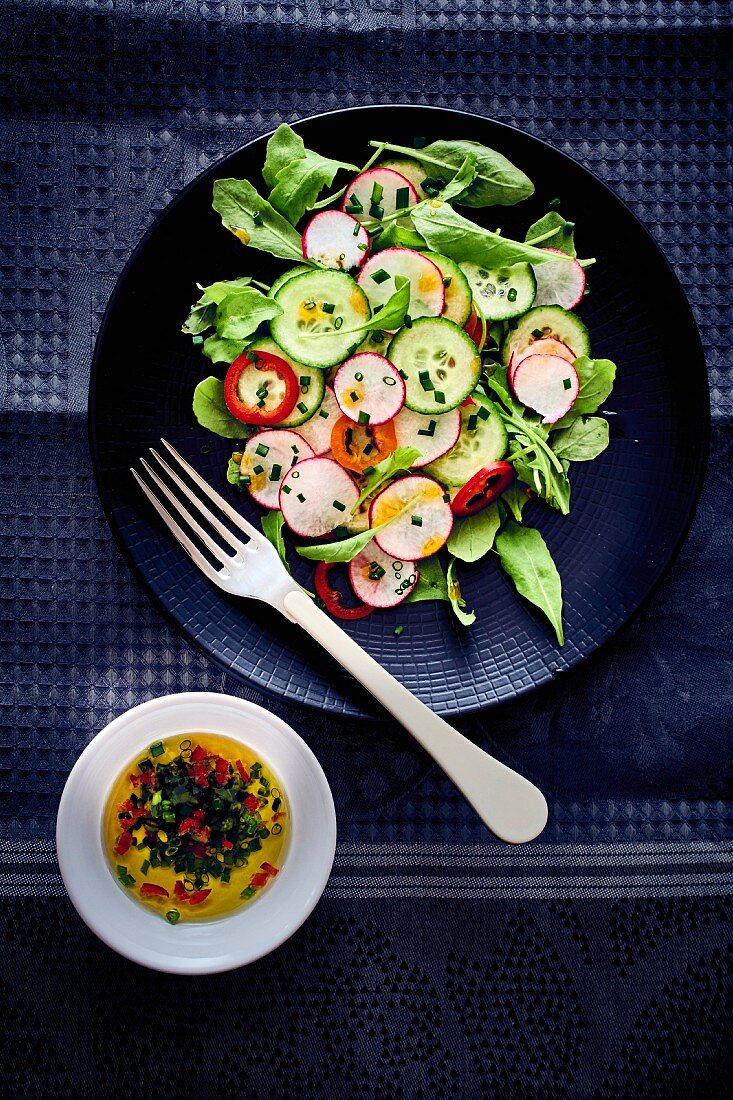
381 276
244 479
157 749
416 521
342 256
276 471
447 280
472 422
369 469
537 333
398 630
323 413
483 412
354 201
357 227
368 450
295 448
302 407
358 377
257 219
554 202
446 497
173 916
301 498
354 395
258 469
261 449
339 506
407 322
362 247
364 417
198 339
287 489
402 198
328 307
432 185
338 322
376 232
377 308
250 891
261 403
425 380
377 336
262 391
430 430
403 374
376 571
145 867
389 380
377 192
568 228
566 383
376 211
512 295
439 397
340 532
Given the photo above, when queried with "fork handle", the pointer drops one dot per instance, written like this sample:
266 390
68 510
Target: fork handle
506 802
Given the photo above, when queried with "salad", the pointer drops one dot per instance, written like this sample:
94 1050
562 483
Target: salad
410 380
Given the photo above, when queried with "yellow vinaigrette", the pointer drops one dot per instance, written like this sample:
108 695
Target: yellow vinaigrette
195 827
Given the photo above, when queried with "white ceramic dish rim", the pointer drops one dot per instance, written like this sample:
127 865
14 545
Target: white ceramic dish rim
248 933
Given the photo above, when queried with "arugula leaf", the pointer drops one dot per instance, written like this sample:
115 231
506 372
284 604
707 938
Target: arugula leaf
344 550
432 584
391 316
211 412
562 238
400 459
461 182
242 311
203 312
397 236
473 537
296 175
498 182
272 528
234 470
283 147
515 499
457 601
550 484
525 558
584 440
452 235
219 350
254 221
596 377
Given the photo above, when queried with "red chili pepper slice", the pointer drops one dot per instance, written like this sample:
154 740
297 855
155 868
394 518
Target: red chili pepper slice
261 389
484 488
150 890
123 844
348 441
473 327
226 844
244 774
180 891
252 802
332 597
269 869
259 879
198 755
198 896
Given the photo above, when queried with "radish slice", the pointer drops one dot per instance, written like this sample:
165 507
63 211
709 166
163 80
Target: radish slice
383 182
335 239
427 293
559 282
266 459
425 525
432 435
317 431
369 389
546 383
548 345
316 496
379 579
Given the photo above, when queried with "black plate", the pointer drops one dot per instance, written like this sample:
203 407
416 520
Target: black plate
631 508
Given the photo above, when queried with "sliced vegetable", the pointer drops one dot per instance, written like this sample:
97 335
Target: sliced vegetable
483 489
359 447
260 388
336 240
369 389
546 346
410 169
432 435
427 293
317 430
422 528
560 283
547 384
320 302
477 328
542 322
439 362
299 269
504 292
458 298
380 580
311 384
315 497
482 440
376 193
332 598
266 459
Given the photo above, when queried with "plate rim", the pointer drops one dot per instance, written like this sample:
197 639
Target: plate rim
104 494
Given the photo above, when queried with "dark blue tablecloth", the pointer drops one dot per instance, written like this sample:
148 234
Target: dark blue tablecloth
439 963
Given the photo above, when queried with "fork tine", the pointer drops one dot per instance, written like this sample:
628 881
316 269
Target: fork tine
236 545
214 548
178 533
226 508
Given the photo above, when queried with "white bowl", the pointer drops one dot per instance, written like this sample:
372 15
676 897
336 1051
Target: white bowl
248 933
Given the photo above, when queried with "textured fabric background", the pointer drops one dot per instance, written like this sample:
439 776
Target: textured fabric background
597 963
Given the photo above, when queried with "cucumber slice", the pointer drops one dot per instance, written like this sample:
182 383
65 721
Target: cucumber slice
483 439
410 169
502 292
427 293
439 362
546 321
458 296
303 298
311 392
301 269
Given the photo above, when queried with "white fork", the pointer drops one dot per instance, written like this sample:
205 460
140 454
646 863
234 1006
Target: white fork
506 802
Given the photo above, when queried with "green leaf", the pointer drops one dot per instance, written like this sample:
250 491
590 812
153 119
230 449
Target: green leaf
272 528
516 500
398 236
498 182
473 537
391 316
452 235
242 311
584 440
283 147
525 558
219 350
456 188
400 459
211 412
560 230
457 601
201 317
239 204
234 470
300 183
550 484
596 377
432 584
